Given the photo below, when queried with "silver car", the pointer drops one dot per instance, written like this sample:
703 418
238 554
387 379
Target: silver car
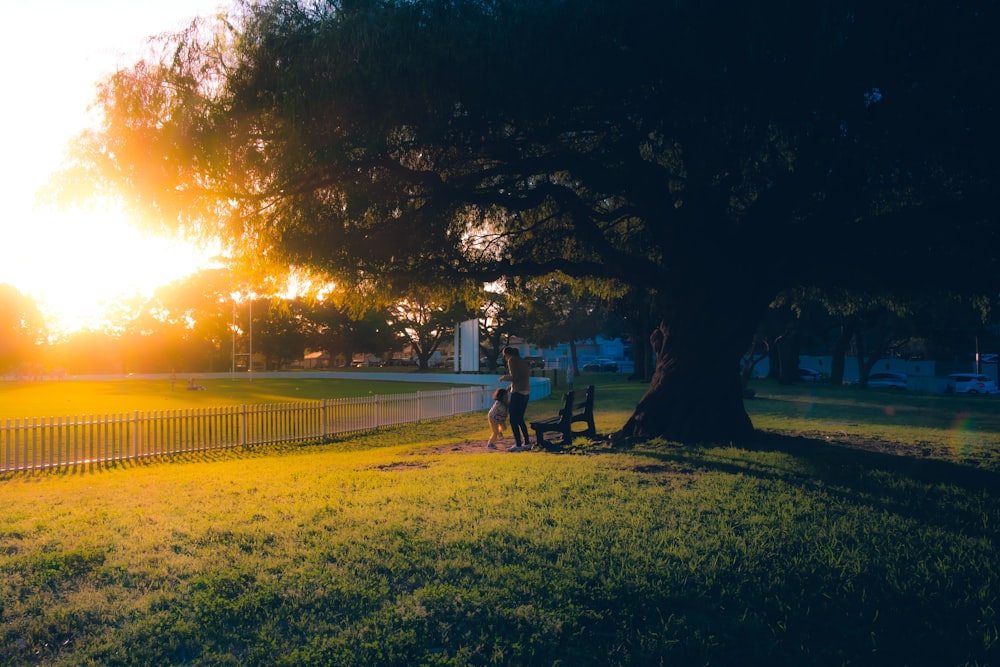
887 380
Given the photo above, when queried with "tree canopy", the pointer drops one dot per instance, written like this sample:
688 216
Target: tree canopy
709 153
21 326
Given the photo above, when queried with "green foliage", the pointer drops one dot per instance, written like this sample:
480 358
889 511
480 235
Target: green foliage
559 309
649 142
425 317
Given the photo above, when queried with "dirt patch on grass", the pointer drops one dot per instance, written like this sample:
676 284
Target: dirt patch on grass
400 465
580 446
467 447
658 469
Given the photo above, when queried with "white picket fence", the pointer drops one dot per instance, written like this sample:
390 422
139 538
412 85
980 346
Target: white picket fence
64 442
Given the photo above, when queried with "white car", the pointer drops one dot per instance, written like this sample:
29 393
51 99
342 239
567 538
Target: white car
971 383
887 380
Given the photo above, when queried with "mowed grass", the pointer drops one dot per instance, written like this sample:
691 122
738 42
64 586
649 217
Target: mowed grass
825 542
89 397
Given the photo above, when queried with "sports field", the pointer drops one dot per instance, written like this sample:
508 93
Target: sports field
47 398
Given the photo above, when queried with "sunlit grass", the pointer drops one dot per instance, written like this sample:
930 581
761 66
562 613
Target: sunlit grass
392 549
61 398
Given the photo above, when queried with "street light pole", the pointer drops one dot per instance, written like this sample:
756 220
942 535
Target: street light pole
250 345
249 353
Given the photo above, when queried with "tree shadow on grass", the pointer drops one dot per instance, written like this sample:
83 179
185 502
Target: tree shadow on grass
947 494
833 455
914 590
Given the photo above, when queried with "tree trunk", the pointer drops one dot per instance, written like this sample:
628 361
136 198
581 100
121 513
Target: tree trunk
788 357
572 358
423 359
696 394
774 362
839 353
749 362
859 342
641 353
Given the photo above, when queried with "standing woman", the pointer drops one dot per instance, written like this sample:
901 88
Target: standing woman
519 376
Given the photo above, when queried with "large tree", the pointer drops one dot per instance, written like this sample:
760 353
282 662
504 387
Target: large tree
709 153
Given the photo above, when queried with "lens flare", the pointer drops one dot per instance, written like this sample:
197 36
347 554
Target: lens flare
962 435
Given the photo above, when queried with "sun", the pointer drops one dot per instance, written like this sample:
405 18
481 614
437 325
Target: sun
90 260
75 263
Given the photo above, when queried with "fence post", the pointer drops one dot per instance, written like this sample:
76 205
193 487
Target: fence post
135 436
34 443
243 425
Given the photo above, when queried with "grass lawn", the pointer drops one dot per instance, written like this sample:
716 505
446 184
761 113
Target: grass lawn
85 397
862 528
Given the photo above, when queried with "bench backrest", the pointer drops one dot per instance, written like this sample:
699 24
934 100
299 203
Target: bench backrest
567 408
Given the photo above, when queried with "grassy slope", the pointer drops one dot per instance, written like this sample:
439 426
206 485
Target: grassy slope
390 549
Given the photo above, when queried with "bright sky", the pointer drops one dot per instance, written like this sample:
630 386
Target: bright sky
52 54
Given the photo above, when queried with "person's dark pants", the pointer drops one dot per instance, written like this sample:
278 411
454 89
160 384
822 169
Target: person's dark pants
518 404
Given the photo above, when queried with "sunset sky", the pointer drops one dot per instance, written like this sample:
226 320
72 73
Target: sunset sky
53 54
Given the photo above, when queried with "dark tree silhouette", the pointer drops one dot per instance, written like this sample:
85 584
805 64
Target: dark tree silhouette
709 153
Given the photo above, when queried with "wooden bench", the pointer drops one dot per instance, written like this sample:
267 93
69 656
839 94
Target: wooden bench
563 422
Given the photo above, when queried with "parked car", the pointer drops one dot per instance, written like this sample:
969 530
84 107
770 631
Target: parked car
601 365
971 383
535 362
888 380
811 375
398 362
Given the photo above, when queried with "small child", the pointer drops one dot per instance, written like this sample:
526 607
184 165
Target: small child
498 416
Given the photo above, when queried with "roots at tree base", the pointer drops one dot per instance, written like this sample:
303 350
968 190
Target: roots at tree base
695 395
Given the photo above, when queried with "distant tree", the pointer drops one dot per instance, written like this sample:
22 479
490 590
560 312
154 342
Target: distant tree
22 329
330 330
200 312
346 328
559 309
87 352
426 318
281 331
759 351
499 320
375 332
635 310
877 326
709 153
